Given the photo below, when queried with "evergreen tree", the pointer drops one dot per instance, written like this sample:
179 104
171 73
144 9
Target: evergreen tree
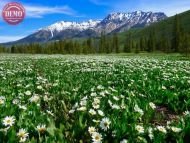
142 44
89 45
137 48
13 48
102 43
185 44
115 43
151 42
128 43
176 34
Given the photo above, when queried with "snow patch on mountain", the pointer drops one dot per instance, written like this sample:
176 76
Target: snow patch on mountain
63 25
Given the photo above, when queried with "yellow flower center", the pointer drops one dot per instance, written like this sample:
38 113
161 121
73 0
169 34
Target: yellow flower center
97 138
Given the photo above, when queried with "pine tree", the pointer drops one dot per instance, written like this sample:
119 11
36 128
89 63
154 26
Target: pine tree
185 44
142 44
137 48
13 48
89 45
176 34
115 43
128 43
102 43
151 42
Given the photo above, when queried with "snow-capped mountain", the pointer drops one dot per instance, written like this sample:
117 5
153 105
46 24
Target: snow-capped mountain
114 22
123 21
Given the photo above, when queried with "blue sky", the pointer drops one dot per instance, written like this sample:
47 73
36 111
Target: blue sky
41 13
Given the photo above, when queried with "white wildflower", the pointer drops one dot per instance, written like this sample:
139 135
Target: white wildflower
91 130
105 123
34 98
28 93
140 129
100 112
22 133
152 105
137 109
41 128
162 129
115 98
96 137
9 121
175 129
92 112
81 109
124 141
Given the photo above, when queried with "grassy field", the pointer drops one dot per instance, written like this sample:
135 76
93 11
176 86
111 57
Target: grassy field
109 99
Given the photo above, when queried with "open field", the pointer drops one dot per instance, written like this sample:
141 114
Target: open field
109 99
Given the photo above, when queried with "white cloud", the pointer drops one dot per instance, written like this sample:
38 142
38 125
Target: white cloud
98 2
4 39
39 11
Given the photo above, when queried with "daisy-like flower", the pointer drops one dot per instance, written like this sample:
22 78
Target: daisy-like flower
96 100
139 110
96 137
96 121
83 102
100 87
2 100
102 94
186 113
91 130
95 105
50 112
22 133
92 112
41 128
141 139
152 105
115 98
175 129
114 106
140 129
39 87
34 98
28 93
100 112
81 109
93 94
23 107
71 111
110 103
104 124
161 129
9 121
16 101
150 133
124 141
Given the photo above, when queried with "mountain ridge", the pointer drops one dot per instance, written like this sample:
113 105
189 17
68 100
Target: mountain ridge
113 22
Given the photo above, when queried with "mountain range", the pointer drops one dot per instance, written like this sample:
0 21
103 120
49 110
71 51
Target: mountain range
112 23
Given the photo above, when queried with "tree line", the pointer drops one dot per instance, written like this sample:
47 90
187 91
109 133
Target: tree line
179 42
